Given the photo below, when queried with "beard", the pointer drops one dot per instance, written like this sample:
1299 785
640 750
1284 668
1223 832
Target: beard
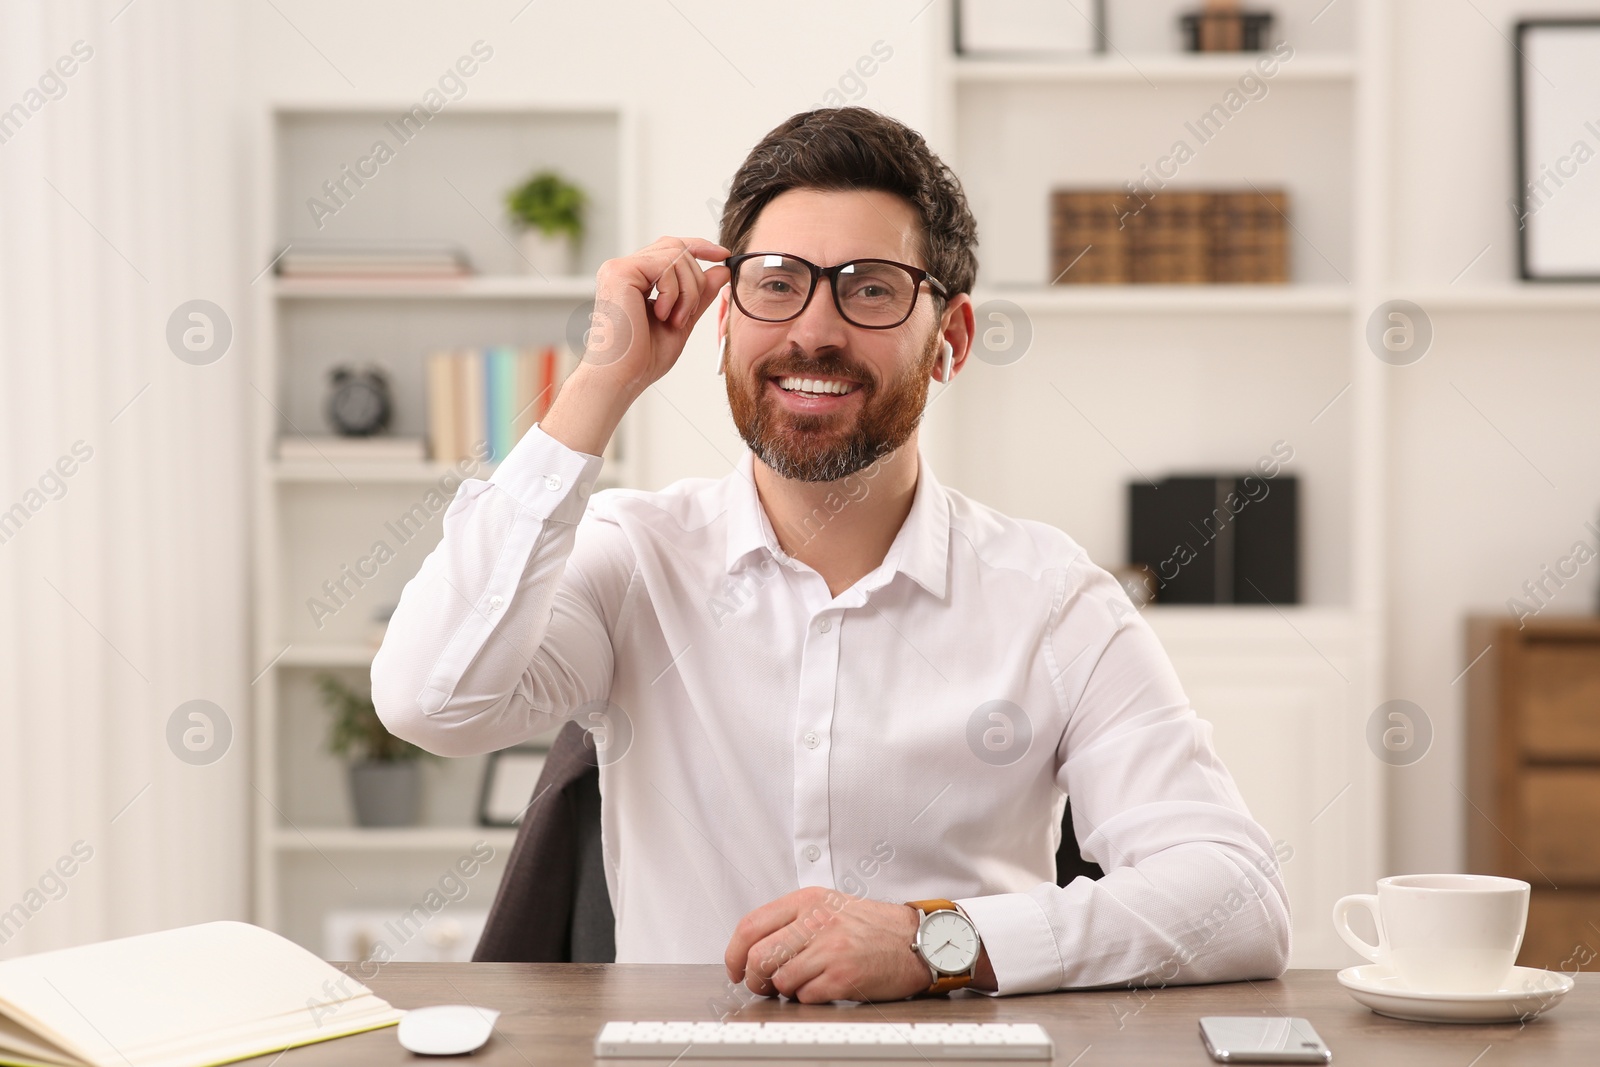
825 448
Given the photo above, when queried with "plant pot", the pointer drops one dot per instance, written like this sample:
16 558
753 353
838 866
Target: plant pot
386 794
549 255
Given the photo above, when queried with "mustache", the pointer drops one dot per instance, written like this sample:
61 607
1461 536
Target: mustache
831 365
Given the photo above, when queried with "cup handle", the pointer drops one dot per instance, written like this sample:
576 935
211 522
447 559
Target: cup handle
1378 953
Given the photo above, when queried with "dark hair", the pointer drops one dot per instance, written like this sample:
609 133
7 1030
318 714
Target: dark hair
858 148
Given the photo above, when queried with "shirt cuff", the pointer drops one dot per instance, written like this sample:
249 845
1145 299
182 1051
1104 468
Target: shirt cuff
547 478
1021 945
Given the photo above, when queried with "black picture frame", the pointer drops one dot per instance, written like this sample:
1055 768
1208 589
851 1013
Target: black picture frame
526 764
1527 269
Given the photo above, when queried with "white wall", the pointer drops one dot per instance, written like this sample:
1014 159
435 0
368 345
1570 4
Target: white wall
1470 518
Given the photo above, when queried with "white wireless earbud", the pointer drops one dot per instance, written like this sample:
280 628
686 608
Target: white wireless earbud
949 355
722 352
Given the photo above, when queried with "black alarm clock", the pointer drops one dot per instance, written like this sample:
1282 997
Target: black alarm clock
359 403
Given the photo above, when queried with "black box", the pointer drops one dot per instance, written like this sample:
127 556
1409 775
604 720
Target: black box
1218 539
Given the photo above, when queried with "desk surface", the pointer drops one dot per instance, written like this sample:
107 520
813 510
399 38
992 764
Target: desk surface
552 1011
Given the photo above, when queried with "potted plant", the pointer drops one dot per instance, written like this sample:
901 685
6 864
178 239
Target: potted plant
549 209
385 779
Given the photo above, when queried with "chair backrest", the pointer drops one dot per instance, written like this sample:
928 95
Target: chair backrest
553 905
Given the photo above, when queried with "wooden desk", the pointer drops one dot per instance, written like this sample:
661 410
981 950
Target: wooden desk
552 1011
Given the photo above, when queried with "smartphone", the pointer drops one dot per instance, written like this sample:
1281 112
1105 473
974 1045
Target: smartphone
1262 1039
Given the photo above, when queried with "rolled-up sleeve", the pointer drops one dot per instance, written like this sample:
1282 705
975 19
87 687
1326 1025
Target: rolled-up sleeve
504 631
1192 891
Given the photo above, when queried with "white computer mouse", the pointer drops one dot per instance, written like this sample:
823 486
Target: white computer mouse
446 1029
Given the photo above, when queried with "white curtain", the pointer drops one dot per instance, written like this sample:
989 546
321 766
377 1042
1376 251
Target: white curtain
124 473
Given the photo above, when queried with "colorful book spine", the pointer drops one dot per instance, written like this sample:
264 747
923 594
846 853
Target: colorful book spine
480 402
470 408
500 398
547 379
444 444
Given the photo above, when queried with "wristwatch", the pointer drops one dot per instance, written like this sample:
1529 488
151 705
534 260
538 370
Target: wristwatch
947 942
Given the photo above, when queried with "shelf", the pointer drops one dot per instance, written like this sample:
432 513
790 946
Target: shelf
1530 296
390 472
397 472
397 839
1173 299
312 654
474 287
1142 69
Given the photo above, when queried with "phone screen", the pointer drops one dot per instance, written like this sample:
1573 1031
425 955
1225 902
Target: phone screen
1262 1039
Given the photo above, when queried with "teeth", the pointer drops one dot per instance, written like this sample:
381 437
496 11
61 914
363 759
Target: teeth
815 385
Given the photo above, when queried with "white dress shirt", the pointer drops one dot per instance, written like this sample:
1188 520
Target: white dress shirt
912 737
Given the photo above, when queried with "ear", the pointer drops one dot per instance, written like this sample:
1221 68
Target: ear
956 325
340 375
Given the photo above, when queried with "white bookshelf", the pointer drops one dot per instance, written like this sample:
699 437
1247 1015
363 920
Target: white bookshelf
1126 382
1172 299
314 516
1143 68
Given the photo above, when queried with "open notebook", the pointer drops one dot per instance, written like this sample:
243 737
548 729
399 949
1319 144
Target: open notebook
188 997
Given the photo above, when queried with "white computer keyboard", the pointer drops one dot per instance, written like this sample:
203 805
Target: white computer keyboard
844 1041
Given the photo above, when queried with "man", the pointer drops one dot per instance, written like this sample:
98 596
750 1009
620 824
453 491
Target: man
838 705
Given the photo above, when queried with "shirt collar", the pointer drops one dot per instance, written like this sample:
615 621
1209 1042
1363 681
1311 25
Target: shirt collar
920 550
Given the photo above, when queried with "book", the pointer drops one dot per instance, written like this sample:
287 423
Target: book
354 449
1249 238
472 416
500 399
373 260
490 397
1171 239
1169 236
443 434
187 997
1090 240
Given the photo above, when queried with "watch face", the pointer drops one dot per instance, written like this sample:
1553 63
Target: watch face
948 942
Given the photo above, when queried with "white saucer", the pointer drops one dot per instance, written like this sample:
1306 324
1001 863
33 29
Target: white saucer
1528 992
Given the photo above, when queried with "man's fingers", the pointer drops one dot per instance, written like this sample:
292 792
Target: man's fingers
800 968
752 929
666 286
688 275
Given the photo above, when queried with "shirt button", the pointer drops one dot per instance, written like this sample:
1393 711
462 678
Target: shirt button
812 740
824 626
552 482
813 853
495 602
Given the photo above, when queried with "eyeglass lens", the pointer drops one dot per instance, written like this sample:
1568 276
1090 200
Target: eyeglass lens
774 287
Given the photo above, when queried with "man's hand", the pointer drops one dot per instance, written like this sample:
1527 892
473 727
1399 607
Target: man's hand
634 339
815 945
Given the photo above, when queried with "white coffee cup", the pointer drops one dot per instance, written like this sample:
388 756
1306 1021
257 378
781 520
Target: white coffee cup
1442 933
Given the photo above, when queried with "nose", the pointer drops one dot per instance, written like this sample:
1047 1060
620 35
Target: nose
820 325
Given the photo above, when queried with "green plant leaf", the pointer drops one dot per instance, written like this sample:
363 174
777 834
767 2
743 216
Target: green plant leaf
356 733
549 203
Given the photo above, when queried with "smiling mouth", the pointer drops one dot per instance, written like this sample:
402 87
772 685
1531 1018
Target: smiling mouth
815 387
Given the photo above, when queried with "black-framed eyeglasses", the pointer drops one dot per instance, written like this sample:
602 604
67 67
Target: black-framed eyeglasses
875 294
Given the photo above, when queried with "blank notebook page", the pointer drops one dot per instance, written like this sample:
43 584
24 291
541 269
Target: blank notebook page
187 997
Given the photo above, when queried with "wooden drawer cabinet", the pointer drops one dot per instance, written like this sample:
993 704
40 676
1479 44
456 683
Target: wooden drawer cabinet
1561 700
1560 824
1533 776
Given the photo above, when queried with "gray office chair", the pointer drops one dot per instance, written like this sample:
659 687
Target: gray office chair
553 905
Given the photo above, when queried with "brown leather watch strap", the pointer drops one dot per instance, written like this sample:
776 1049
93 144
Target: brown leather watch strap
943 983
